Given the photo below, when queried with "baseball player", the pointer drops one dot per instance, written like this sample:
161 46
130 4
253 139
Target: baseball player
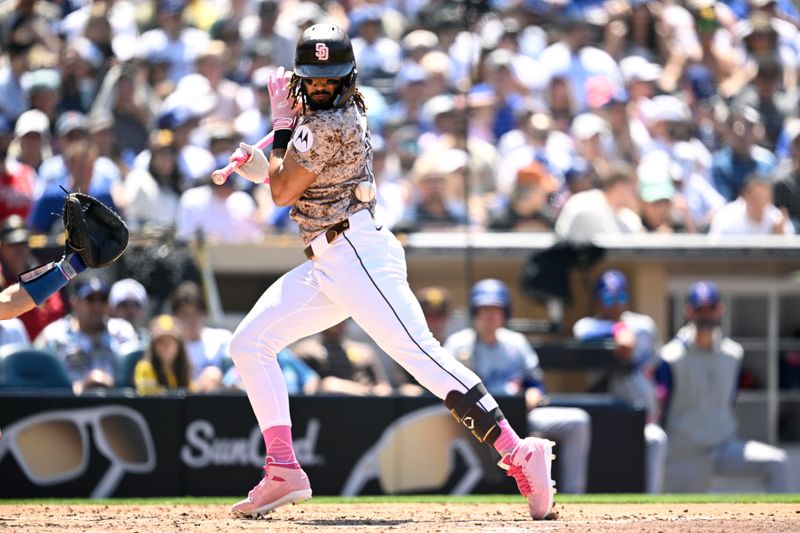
636 345
321 164
96 237
507 364
698 378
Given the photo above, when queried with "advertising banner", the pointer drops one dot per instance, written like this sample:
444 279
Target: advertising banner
210 445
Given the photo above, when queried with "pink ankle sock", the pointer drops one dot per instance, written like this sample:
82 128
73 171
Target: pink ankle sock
507 440
278 440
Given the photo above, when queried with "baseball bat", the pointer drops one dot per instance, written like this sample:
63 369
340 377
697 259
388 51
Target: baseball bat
220 175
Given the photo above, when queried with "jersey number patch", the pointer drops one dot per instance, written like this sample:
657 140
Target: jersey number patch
322 51
303 139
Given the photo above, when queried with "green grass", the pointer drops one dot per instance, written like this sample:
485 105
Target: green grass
434 499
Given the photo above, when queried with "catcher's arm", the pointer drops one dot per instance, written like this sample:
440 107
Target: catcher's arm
39 284
14 301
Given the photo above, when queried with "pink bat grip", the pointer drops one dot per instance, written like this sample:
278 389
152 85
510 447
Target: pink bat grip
220 175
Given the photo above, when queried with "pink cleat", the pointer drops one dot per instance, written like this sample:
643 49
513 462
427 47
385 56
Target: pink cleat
279 487
529 464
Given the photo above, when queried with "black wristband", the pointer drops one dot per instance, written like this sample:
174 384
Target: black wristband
281 139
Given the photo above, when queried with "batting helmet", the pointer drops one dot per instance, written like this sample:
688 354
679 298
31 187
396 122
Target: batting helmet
324 51
490 292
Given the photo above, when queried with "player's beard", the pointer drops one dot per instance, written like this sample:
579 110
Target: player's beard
320 105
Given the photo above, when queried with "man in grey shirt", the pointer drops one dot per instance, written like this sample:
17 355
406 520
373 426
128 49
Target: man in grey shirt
697 380
507 364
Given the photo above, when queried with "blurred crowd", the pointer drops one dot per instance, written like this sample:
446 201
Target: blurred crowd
578 117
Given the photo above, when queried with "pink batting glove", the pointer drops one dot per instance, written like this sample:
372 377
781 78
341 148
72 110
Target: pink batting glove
283 112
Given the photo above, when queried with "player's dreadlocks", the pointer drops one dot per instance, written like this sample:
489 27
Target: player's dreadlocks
349 90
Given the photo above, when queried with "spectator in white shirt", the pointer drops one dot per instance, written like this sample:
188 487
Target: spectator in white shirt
602 211
179 44
224 213
753 213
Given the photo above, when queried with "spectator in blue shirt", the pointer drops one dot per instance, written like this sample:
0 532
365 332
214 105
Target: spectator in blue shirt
79 158
742 155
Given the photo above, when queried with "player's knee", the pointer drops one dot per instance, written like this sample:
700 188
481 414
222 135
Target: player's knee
244 346
580 421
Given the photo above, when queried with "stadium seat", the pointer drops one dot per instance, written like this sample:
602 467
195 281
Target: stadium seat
24 367
125 365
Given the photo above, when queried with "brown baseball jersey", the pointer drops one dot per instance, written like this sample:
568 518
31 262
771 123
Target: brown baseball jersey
334 144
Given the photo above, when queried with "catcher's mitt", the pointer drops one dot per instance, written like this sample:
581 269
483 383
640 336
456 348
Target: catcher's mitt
94 231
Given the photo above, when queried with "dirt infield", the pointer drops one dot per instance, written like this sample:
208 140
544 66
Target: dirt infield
442 518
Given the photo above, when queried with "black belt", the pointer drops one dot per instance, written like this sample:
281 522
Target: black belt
330 235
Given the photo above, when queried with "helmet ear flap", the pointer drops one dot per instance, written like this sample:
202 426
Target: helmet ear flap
347 89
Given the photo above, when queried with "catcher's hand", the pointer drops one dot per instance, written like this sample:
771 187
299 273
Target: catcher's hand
94 232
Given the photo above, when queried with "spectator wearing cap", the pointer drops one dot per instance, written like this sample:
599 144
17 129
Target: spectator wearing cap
132 104
15 258
573 58
266 29
417 43
528 207
742 155
178 43
17 180
88 341
664 117
593 143
195 163
436 180
762 35
128 300
636 345
656 192
165 365
31 144
80 159
766 96
703 101
72 127
753 213
226 29
697 379
607 210
152 194
411 92
377 56
640 76
43 87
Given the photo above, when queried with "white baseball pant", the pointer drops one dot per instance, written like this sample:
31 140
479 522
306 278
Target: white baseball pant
571 428
361 274
693 473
